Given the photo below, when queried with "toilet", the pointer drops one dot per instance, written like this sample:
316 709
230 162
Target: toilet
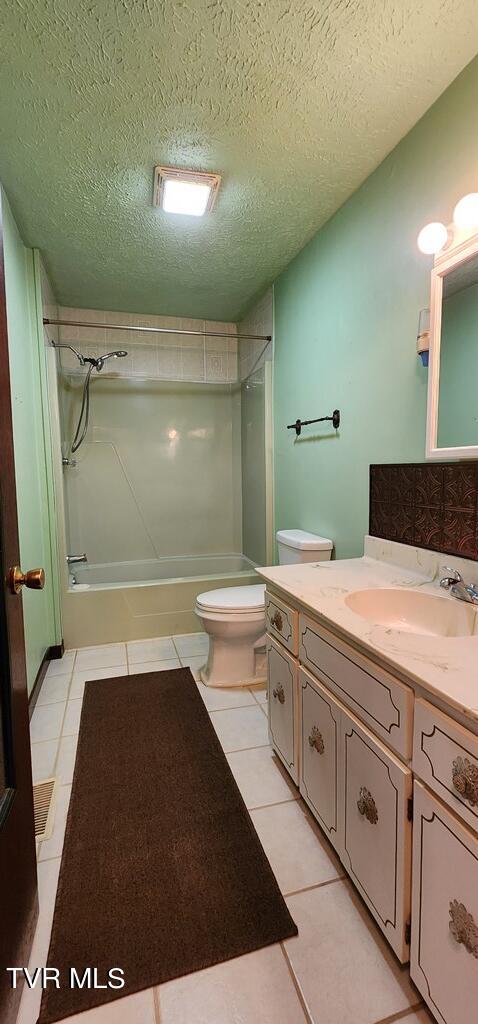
234 617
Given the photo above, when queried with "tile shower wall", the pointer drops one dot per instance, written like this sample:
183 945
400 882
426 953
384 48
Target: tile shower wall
429 505
154 356
259 320
159 473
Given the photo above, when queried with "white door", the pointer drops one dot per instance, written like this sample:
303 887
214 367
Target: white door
283 709
319 760
377 832
444 952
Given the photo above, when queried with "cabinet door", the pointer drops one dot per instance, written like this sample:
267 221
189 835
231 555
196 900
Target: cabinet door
319 756
377 832
283 706
444 952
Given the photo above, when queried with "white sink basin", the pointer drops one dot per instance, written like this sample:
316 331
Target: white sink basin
413 612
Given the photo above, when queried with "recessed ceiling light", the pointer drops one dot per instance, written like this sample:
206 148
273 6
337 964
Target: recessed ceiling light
188 192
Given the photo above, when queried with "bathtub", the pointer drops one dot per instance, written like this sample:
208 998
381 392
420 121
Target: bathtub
114 602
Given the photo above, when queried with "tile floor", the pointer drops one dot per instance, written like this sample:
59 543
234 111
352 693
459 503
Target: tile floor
339 970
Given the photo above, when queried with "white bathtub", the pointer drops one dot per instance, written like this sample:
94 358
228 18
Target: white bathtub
122 601
159 570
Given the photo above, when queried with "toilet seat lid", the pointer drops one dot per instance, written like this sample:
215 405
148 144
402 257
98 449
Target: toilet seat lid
233 599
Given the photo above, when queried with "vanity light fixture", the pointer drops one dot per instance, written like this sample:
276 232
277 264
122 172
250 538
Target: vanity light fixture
192 193
465 214
435 236
432 238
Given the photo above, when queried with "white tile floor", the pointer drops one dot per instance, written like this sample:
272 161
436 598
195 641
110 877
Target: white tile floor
339 970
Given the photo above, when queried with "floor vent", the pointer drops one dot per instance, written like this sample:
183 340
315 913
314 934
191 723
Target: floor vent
43 804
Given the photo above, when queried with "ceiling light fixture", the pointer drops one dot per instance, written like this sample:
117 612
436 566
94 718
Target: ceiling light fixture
192 193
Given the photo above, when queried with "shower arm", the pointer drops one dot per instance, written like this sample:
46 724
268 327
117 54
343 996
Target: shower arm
148 330
81 359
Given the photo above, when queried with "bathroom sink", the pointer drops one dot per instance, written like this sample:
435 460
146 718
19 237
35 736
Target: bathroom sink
413 612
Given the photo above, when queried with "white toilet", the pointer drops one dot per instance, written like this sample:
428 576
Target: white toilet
234 617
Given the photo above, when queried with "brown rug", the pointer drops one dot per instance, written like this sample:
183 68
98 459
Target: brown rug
162 871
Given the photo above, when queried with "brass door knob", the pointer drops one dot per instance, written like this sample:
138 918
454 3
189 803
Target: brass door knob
34 579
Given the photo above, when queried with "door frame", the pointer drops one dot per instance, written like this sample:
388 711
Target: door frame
18 869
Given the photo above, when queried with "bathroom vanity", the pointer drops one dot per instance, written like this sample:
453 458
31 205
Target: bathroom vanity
373 710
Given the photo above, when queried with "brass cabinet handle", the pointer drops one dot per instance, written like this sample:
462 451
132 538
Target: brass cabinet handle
316 740
367 806
34 579
463 927
278 694
277 621
465 779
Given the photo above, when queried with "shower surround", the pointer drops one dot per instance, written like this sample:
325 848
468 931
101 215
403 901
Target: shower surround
155 493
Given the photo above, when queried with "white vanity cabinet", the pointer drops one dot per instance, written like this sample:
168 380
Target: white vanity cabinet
356 787
385 772
444 953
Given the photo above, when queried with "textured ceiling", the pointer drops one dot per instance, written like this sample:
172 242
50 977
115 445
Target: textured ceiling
294 102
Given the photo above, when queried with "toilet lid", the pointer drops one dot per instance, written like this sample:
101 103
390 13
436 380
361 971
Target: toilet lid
233 599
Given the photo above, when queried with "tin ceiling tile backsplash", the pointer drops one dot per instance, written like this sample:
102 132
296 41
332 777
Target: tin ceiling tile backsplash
428 505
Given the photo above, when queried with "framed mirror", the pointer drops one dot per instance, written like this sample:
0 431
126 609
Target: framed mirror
452 408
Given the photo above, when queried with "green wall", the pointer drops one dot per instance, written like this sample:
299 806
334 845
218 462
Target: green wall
30 440
346 324
458 400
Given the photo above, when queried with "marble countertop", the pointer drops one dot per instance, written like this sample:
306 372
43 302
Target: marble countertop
445 666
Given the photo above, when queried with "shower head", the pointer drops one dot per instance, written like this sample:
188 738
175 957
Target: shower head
119 354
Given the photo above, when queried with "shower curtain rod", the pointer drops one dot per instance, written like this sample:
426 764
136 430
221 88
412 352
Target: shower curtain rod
156 330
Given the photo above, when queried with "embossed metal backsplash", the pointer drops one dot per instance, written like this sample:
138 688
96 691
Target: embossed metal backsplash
429 505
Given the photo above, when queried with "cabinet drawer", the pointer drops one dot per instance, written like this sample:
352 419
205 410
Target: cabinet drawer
445 756
383 703
444 951
282 622
282 672
319 753
377 830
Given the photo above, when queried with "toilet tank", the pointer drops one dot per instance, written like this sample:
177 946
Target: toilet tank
300 546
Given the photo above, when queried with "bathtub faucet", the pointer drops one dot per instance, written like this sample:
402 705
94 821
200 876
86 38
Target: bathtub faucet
74 559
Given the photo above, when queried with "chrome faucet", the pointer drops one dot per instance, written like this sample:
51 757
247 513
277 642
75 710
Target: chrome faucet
74 559
455 583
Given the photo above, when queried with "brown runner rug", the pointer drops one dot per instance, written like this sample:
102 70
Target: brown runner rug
162 871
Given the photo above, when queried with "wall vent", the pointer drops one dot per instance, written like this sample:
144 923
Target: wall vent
43 806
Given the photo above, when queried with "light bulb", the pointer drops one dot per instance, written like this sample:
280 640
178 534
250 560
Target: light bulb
465 214
432 238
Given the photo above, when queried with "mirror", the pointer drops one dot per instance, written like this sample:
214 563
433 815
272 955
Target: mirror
452 422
